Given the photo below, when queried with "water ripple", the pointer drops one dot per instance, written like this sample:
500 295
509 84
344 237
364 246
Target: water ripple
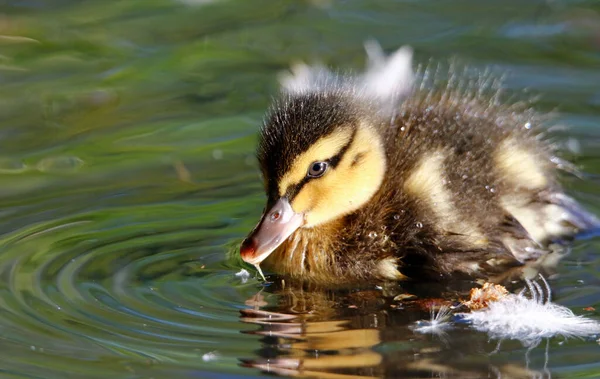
110 284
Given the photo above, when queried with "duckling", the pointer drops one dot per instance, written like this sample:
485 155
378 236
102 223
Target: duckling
377 177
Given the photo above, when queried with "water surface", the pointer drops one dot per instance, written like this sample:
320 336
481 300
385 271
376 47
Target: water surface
127 133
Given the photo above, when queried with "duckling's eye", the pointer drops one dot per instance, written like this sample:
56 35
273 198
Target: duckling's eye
317 169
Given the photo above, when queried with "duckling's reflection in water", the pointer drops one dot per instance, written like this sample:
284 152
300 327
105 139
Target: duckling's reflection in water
311 334
368 334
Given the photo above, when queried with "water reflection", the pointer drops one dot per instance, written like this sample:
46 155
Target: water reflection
310 334
369 333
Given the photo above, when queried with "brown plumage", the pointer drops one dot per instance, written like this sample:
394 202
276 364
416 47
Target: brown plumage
372 179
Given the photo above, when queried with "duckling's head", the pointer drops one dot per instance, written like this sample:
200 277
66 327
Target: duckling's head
321 151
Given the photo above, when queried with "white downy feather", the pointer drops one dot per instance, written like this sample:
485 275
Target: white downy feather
388 77
386 81
438 324
526 318
530 319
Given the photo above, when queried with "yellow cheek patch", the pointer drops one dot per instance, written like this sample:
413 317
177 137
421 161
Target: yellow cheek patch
427 184
348 186
323 149
520 167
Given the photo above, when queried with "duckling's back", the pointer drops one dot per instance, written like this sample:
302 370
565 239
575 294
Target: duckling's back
472 185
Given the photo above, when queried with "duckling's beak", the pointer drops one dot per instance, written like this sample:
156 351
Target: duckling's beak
275 226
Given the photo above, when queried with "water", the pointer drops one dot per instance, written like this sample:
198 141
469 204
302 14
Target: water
126 160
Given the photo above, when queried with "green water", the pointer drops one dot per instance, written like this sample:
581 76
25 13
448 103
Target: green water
127 177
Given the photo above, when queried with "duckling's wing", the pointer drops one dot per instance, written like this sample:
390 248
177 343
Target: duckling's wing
550 218
559 218
583 224
530 230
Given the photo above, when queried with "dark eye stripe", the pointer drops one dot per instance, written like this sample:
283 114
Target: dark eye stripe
336 159
294 189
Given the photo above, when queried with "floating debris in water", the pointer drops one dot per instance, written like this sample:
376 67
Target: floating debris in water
210 356
438 324
529 316
243 274
481 297
530 319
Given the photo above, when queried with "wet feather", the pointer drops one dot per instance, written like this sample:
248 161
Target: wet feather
529 317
